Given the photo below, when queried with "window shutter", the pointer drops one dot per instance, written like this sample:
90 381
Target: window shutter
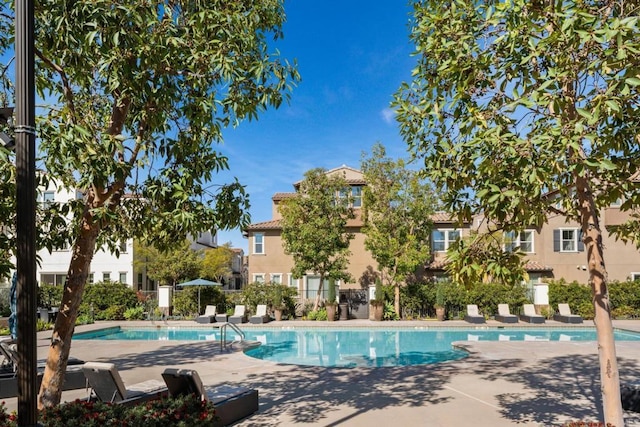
580 242
556 240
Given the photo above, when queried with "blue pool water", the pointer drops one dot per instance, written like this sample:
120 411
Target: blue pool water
345 347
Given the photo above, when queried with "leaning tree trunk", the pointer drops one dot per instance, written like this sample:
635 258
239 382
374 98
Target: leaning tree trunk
609 375
316 304
79 267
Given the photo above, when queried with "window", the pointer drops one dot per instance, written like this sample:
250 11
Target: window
91 278
442 239
123 248
139 280
356 193
258 243
567 240
313 284
276 278
53 278
519 241
635 276
123 278
106 276
258 278
48 197
292 281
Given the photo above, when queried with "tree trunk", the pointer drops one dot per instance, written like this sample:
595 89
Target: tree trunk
316 304
609 375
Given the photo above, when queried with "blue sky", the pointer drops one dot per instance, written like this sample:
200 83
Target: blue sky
352 56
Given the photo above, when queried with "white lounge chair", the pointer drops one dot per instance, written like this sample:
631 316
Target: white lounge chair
564 315
530 315
232 403
261 315
209 315
473 316
107 385
239 315
504 315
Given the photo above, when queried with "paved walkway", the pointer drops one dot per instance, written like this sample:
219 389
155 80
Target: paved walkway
499 384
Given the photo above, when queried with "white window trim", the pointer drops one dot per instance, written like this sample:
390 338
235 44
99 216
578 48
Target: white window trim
254 244
518 242
635 275
447 242
256 275
292 282
576 235
271 276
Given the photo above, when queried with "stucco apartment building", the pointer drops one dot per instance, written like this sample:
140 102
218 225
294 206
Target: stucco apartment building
554 251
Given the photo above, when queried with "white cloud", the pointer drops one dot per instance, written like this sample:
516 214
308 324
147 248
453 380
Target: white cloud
388 115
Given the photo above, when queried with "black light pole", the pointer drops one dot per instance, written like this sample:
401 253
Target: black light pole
26 216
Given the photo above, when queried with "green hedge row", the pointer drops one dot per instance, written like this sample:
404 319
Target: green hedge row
624 297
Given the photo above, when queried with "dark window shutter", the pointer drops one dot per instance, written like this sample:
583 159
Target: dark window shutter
556 240
580 242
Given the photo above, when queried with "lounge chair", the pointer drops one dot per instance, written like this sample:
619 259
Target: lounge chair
107 386
9 353
473 316
504 315
530 315
261 315
209 315
232 403
564 315
239 315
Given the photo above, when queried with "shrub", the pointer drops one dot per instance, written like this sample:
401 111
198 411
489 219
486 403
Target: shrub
49 295
187 411
390 312
134 313
319 314
84 319
577 295
103 296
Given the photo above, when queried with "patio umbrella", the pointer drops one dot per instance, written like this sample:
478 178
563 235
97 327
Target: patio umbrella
13 305
198 283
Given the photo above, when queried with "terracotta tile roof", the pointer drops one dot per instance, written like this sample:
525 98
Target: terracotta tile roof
265 225
280 196
536 266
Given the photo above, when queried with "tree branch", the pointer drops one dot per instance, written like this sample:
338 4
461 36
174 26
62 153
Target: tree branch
67 91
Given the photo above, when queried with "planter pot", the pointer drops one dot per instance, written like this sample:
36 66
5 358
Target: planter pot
376 312
440 313
332 309
277 313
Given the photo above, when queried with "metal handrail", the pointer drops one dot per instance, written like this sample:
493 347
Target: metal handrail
223 334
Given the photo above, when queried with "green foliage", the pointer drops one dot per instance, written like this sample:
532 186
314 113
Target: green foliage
331 295
488 295
134 313
397 206
185 301
574 294
389 312
108 300
319 314
481 258
49 295
176 265
41 325
84 319
274 295
314 227
216 263
188 411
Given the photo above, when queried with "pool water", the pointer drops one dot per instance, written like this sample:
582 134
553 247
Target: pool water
344 347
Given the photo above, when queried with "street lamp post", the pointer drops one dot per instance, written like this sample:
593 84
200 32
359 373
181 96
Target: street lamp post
26 218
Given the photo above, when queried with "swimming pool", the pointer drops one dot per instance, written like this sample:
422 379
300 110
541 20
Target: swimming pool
351 347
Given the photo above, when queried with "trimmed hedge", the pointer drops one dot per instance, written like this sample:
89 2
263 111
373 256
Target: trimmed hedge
624 297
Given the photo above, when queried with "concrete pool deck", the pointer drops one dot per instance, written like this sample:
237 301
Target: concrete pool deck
499 384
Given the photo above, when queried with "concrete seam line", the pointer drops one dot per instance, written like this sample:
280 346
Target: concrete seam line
472 397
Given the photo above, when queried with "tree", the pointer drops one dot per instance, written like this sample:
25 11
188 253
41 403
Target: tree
176 265
314 225
524 108
142 91
481 258
216 263
397 206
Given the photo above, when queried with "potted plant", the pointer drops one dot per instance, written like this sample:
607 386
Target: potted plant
440 305
377 305
331 304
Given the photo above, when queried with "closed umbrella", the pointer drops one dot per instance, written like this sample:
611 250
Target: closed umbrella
13 305
199 283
